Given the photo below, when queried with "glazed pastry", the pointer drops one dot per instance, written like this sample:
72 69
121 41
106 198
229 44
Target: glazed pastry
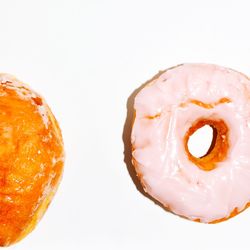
31 159
168 111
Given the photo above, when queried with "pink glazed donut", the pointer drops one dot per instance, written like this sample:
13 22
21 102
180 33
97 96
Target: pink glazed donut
168 110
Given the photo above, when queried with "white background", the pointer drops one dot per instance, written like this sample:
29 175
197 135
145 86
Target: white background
86 57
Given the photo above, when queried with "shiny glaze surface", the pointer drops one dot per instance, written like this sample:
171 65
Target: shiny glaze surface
164 111
31 158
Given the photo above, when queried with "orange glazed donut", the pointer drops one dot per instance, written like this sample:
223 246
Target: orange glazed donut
31 159
168 111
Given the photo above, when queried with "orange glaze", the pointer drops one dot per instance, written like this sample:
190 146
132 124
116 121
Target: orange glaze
218 149
31 161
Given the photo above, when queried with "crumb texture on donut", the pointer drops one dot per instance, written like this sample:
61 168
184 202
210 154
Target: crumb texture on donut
218 149
31 159
171 108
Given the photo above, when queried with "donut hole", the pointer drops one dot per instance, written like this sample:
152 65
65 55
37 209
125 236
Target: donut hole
202 141
206 143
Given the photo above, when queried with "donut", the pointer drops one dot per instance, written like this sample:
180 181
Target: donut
31 159
171 108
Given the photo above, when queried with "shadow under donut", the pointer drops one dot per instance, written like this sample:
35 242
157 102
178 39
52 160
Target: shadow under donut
127 129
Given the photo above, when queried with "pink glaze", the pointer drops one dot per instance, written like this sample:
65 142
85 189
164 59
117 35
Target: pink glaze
160 125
